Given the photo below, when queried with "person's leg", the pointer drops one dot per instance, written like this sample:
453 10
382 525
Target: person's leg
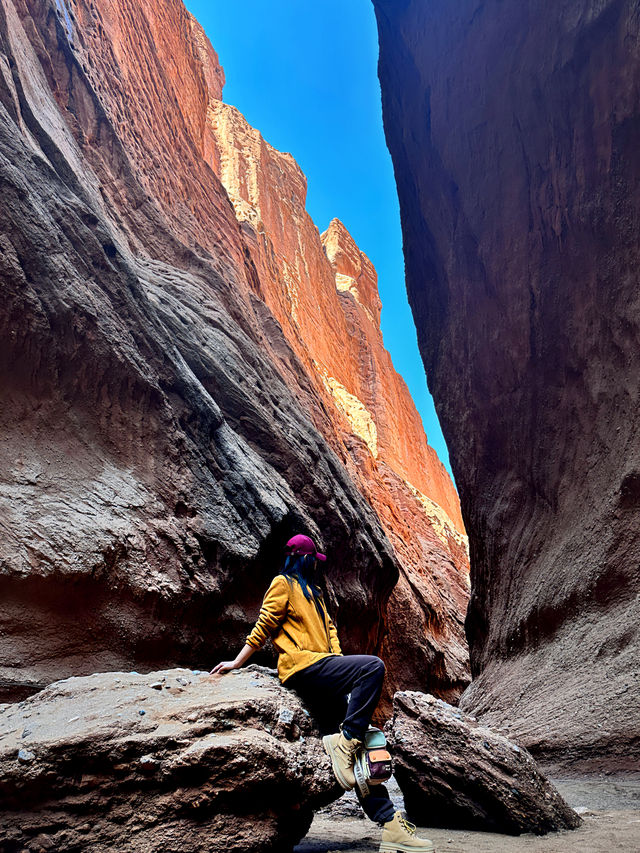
397 832
327 709
359 675
377 804
324 687
335 676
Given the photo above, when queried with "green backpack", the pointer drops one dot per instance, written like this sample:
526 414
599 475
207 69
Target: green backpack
373 761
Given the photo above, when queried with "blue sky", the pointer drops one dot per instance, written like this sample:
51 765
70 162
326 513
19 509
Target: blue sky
305 75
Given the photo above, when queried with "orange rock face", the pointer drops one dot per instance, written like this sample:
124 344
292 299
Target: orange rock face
402 442
215 363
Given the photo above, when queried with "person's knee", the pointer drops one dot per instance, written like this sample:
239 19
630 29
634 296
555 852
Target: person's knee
377 666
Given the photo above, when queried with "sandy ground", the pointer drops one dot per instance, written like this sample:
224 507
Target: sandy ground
609 807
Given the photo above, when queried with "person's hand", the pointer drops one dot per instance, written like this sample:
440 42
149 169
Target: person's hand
228 665
224 666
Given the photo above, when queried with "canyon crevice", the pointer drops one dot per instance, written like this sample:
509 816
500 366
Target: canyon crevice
513 130
191 374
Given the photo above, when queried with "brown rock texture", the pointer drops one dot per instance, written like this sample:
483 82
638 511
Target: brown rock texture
456 773
513 130
122 761
182 384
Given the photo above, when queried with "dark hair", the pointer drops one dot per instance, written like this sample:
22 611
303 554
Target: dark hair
300 567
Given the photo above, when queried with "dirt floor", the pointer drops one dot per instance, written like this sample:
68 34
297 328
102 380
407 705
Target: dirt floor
609 807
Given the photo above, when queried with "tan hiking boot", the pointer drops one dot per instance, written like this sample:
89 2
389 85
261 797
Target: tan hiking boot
399 836
342 753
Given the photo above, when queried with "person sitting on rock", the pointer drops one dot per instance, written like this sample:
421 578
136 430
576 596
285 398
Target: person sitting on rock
342 691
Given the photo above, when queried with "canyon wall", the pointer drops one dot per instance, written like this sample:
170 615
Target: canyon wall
513 129
175 399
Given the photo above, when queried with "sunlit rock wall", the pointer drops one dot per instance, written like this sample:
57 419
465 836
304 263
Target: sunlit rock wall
158 445
513 129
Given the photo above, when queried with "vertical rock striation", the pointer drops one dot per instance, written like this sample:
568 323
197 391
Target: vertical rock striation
412 494
181 378
513 130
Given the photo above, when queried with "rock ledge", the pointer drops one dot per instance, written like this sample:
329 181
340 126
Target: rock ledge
174 760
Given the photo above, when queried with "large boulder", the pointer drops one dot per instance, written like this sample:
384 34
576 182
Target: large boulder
456 773
176 760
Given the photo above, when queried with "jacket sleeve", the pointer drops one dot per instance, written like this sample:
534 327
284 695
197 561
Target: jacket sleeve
333 636
272 612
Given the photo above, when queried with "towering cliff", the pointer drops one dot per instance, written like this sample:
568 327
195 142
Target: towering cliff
183 384
513 130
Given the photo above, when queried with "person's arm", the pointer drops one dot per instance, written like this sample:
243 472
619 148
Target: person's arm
272 613
227 665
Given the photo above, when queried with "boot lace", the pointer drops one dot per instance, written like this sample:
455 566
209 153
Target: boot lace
407 825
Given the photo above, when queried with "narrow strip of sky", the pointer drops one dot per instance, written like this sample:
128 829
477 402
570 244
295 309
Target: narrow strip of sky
305 74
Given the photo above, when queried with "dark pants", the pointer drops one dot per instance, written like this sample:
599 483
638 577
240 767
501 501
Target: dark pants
345 690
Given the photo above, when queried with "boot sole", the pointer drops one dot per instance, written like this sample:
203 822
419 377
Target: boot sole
336 770
404 848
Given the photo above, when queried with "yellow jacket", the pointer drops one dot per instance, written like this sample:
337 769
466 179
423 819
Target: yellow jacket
300 634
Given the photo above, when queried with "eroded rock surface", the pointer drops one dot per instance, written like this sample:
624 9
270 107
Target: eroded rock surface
164 431
513 130
457 773
174 760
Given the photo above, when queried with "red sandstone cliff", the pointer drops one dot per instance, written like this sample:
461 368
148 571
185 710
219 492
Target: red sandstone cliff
401 440
183 383
514 134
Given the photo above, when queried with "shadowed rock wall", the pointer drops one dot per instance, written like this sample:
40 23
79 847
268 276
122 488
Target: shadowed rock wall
513 129
164 432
